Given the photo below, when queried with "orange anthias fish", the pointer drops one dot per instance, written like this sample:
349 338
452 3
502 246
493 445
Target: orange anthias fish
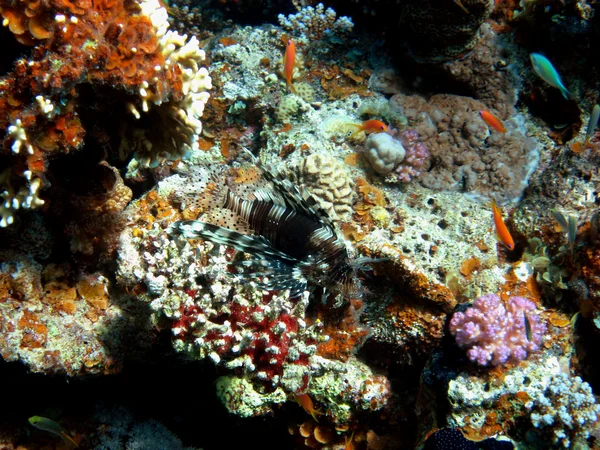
288 63
349 442
501 230
492 121
369 126
305 401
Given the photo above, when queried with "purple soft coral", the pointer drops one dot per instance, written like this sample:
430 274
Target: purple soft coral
495 334
416 155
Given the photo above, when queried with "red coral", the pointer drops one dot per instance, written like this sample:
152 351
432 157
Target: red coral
248 330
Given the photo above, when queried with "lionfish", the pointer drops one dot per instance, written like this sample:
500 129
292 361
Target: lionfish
290 238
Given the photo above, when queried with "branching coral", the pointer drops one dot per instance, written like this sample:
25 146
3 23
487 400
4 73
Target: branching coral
495 334
314 23
567 409
416 159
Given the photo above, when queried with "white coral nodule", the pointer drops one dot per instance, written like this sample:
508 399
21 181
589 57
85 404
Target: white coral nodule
383 152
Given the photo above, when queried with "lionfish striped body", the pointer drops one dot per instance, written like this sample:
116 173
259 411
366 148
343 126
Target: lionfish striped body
292 240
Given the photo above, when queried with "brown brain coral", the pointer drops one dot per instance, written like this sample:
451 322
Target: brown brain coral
329 181
466 154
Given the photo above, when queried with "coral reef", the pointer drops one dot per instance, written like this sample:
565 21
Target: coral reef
264 337
487 404
154 72
134 234
568 409
56 322
487 73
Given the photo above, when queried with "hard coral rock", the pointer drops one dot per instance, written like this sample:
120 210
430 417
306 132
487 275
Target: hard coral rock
486 73
443 30
329 181
53 325
431 234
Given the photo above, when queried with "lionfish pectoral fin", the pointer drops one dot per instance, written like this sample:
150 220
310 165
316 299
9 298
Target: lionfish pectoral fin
254 245
362 264
204 191
270 274
226 218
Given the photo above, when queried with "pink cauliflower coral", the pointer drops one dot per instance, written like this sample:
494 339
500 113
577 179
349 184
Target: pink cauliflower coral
495 334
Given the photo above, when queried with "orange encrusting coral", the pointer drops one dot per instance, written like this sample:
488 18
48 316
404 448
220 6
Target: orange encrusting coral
342 326
340 83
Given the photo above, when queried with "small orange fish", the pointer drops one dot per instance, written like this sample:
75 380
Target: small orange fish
288 63
305 401
349 442
369 126
501 230
492 121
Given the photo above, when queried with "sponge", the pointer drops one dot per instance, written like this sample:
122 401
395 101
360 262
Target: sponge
383 152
